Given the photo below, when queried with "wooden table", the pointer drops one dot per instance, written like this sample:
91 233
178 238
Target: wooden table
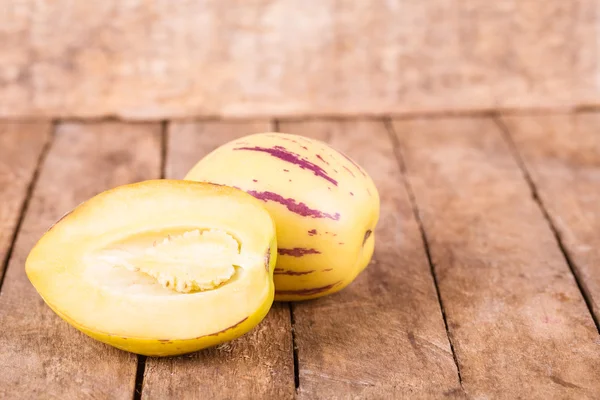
485 281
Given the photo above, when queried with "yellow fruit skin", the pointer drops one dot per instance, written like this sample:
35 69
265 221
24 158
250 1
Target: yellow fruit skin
49 259
324 205
167 347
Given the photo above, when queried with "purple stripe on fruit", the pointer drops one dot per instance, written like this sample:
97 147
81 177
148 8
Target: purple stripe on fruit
297 252
293 273
283 154
322 159
296 208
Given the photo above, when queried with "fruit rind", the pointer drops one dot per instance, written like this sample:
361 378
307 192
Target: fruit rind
193 320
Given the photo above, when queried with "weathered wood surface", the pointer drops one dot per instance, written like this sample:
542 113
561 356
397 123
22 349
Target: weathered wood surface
260 364
42 356
562 156
21 147
161 59
518 322
516 318
383 336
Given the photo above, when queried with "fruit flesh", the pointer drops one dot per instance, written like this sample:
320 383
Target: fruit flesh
324 204
159 267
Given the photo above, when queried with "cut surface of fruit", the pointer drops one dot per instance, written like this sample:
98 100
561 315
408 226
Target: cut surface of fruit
191 262
160 267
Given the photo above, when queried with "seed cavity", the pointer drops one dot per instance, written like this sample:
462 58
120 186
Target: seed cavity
190 262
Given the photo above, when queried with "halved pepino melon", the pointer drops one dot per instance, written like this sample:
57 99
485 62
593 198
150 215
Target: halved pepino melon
161 267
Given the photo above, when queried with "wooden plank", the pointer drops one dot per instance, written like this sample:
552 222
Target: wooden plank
21 146
562 156
518 322
258 365
383 336
42 356
161 59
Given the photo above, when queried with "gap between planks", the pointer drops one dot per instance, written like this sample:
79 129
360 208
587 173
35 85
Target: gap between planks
138 387
27 199
536 197
147 384
401 164
275 124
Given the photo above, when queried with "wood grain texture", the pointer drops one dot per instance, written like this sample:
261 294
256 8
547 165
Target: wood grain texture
21 146
42 356
258 365
518 322
562 155
383 336
160 59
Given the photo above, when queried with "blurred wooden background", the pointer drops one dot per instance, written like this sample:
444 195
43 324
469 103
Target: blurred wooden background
162 59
